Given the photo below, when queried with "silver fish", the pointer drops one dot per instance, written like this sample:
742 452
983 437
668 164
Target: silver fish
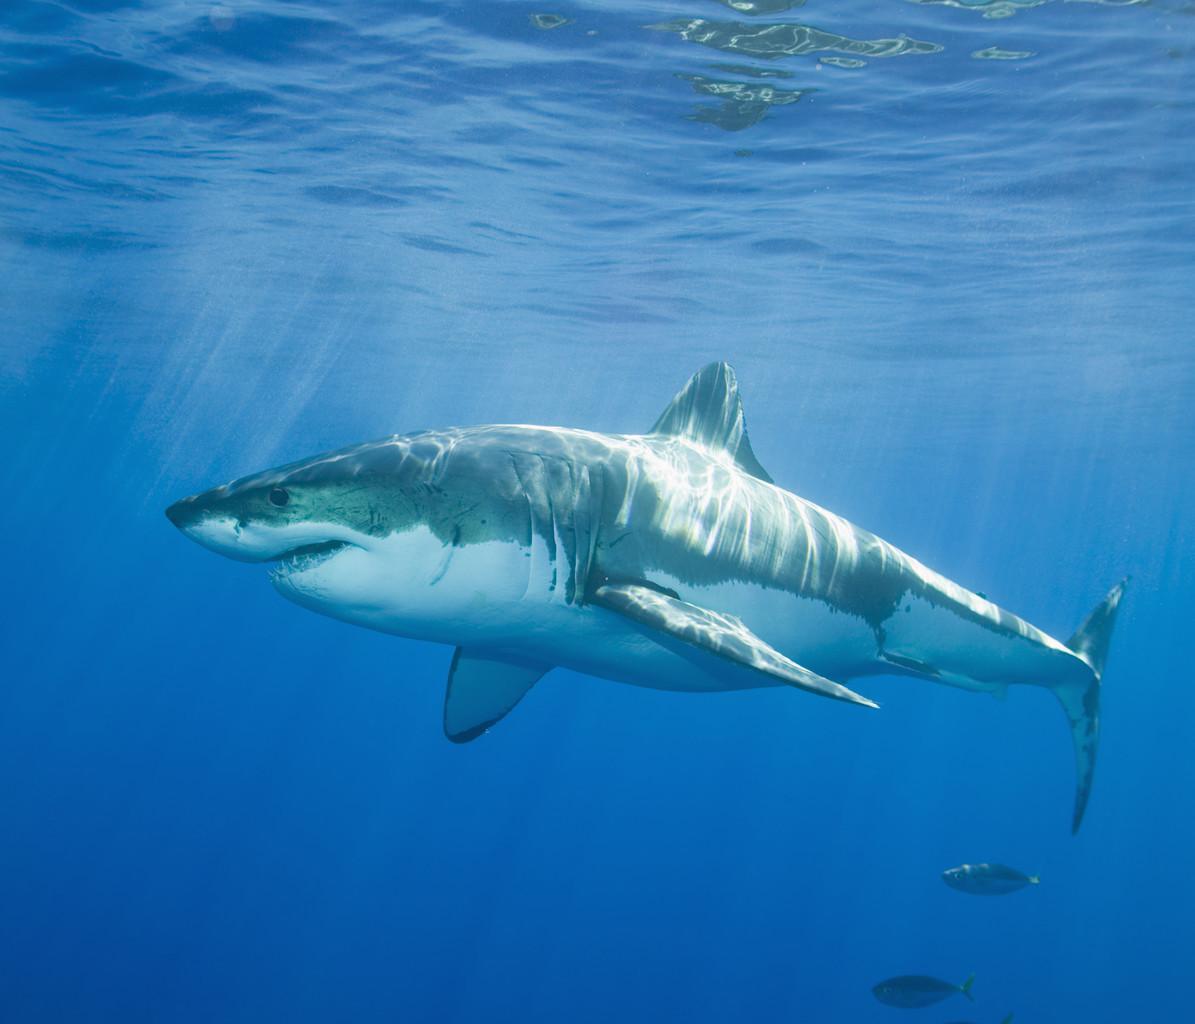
911 991
987 879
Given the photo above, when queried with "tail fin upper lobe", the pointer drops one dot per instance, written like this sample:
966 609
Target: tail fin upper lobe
1081 701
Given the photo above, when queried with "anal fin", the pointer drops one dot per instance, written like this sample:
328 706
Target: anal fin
724 635
482 689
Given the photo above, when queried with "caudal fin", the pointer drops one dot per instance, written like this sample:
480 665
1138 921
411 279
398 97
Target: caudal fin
965 987
1081 700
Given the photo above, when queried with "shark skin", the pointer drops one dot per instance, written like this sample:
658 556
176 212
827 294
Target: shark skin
667 560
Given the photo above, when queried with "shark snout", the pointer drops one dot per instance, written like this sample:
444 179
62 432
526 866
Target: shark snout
216 530
221 522
181 512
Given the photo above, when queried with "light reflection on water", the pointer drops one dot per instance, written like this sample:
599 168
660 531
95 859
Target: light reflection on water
1007 8
904 192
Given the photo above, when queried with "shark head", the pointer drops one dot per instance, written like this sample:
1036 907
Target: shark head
300 518
268 517
320 523
381 534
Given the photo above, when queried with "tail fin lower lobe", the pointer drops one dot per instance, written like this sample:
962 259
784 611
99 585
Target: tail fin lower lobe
965 987
1081 701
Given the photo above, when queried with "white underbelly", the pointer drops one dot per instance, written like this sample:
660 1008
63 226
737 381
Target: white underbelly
503 597
603 643
816 636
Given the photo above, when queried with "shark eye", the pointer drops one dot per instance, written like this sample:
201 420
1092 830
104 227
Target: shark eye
278 496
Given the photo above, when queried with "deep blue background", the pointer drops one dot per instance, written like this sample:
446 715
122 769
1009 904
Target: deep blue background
958 295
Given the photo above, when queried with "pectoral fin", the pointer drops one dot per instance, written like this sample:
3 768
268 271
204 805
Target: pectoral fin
723 635
481 691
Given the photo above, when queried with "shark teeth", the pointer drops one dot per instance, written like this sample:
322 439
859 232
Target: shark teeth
306 557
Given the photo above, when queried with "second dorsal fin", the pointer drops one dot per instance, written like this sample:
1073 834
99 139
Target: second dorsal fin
708 410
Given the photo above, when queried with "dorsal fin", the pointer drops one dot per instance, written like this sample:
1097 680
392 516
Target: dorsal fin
708 410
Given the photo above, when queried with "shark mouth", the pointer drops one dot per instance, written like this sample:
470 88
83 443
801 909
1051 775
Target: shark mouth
306 557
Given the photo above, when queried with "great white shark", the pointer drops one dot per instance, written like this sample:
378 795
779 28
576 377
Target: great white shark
668 560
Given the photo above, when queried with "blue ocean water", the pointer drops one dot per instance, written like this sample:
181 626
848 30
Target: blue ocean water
949 248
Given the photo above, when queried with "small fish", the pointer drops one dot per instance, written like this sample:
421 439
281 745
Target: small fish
911 991
987 879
